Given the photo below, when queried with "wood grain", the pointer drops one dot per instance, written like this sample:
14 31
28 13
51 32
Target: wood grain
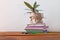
20 36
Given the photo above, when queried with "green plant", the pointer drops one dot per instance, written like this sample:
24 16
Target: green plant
32 8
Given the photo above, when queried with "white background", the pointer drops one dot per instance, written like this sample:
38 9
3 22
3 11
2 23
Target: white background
13 15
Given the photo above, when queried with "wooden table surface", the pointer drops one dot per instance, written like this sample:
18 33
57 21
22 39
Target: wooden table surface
20 36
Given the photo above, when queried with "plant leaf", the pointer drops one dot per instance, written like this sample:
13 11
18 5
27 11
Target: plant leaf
37 6
34 4
28 5
29 12
37 10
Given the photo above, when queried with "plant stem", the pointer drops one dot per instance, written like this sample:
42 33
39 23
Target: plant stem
33 10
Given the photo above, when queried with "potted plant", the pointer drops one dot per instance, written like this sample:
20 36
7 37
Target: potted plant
35 16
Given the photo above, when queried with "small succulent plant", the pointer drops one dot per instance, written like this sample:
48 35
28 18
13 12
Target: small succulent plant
32 8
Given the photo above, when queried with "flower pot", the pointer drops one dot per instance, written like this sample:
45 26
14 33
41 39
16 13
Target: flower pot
36 18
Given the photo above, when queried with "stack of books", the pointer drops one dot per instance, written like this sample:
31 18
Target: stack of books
39 28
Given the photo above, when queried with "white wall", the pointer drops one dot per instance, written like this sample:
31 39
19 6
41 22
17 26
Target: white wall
13 15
